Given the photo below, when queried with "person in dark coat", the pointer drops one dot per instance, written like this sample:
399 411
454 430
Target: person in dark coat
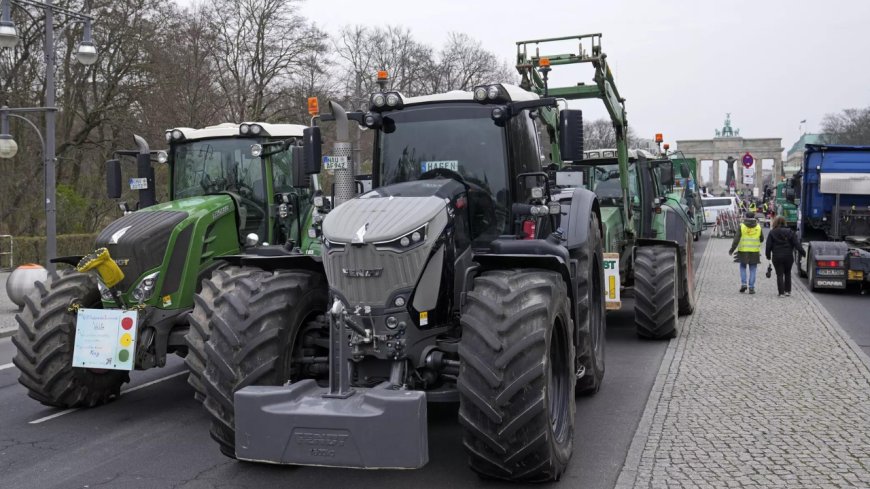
748 245
781 245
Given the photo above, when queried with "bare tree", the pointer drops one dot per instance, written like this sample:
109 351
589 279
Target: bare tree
259 44
464 64
600 134
851 126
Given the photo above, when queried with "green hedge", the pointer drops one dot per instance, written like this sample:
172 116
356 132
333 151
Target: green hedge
31 249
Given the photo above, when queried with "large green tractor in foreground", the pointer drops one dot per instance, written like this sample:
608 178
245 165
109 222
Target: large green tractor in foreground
224 201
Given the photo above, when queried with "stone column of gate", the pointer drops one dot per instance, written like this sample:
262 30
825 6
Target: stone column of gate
714 174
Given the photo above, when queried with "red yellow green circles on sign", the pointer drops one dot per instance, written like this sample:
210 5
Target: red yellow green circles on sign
126 338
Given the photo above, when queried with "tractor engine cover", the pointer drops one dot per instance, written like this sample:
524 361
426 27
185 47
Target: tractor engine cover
380 242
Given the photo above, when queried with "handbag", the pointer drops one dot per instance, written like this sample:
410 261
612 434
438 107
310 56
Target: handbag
769 270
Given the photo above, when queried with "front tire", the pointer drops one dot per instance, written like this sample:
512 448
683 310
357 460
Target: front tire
255 327
655 288
45 341
516 379
687 279
591 320
200 322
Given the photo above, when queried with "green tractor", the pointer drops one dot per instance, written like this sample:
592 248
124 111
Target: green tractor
686 191
785 207
233 189
648 236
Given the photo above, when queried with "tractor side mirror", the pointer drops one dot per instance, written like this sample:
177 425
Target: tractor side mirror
312 157
297 165
571 135
113 179
684 171
666 173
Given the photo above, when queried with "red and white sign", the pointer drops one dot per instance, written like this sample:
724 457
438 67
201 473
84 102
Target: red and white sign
748 160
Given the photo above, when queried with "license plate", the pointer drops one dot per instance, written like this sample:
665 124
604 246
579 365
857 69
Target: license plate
105 339
830 283
856 275
829 272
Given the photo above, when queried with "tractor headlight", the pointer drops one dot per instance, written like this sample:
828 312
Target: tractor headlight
379 100
256 150
393 99
405 242
386 101
256 129
245 129
105 293
168 136
145 289
162 157
177 135
480 94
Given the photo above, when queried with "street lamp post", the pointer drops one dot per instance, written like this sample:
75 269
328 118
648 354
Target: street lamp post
86 53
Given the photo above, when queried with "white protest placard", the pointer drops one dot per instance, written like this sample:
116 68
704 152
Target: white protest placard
611 281
105 339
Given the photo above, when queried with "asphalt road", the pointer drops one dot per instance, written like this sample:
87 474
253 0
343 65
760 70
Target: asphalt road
850 309
156 435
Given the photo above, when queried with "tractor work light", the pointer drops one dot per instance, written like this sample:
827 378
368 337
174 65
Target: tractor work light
256 129
162 157
248 129
386 101
174 136
373 120
490 94
245 129
256 150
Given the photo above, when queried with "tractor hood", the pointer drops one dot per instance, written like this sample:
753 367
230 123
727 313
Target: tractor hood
379 244
389 212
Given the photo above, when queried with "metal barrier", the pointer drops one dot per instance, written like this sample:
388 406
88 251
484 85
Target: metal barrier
6 252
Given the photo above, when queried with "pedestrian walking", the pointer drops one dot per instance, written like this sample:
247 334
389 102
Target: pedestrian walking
781 244
748 245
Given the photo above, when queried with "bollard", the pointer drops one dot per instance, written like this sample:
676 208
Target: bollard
21 280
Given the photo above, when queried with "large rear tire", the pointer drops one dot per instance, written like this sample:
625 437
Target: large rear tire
254 332
45 341
516 378
591 320
687 278
200 322
655 290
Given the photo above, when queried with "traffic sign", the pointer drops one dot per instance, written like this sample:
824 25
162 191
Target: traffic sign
748 160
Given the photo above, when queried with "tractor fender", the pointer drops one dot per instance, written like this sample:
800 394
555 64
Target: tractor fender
582 205
557 263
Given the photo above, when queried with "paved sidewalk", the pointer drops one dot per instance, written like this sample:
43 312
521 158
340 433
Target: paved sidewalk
757 391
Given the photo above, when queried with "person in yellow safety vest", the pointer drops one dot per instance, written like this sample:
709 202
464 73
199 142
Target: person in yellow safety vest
748 245
752 207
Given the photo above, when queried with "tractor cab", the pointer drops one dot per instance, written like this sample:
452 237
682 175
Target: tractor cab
229 159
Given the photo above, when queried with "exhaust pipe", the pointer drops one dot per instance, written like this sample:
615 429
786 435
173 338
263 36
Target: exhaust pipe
148 195
345 184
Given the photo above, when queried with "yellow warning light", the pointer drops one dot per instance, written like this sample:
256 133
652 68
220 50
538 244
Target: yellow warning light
382 74
659 137
313 106
544 62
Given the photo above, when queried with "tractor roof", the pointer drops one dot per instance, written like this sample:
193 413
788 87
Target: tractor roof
596 154
516 93
231 129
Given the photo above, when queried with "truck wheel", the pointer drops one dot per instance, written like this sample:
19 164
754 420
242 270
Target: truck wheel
591 321
45 339
200 318
655 290
255 328
687 279
516 378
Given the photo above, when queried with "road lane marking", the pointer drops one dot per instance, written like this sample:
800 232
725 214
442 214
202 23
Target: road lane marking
6 365
72 410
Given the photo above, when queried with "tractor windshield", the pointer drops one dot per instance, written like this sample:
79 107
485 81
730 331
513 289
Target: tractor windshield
459 138
216 165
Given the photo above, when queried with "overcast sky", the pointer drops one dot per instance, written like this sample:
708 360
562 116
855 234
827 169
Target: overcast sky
681 64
